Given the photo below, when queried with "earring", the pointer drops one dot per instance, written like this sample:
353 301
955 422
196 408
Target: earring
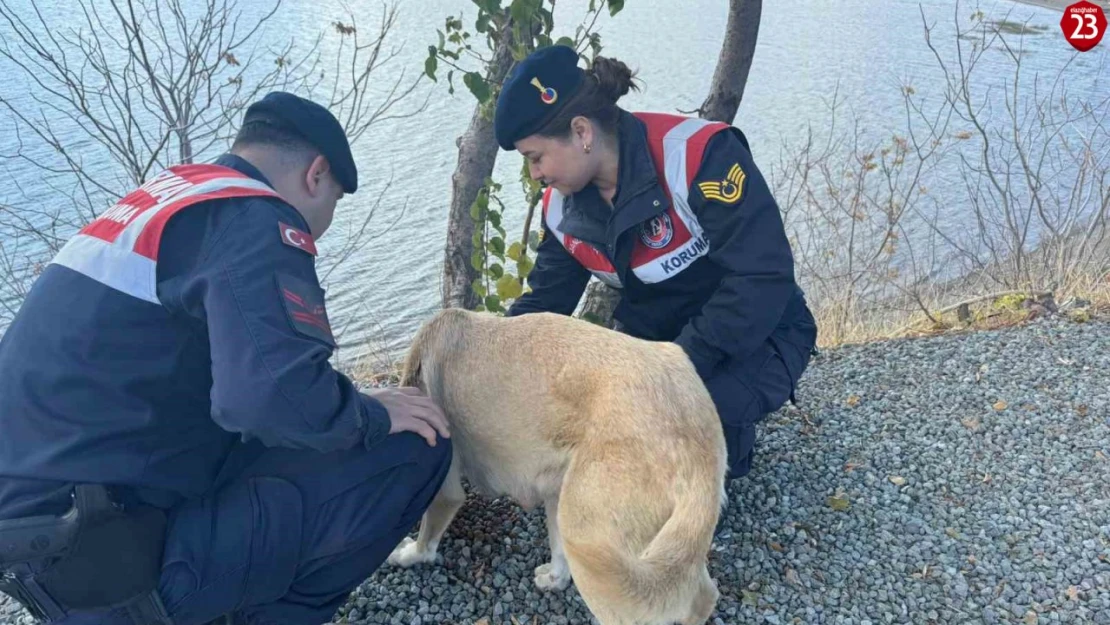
586 148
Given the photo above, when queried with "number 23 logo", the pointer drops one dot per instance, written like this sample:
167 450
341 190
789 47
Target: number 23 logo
1083 25
1091 24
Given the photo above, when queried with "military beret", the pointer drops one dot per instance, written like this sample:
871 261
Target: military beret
535 91
314 124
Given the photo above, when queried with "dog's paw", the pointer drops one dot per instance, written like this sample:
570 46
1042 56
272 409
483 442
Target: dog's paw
550 577
407 554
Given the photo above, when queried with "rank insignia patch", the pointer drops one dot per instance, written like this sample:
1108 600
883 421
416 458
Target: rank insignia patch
304 304
727 191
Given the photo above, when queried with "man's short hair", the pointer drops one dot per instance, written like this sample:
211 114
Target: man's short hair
263 133
313 123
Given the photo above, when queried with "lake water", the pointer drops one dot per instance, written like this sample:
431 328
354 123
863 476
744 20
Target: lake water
865 48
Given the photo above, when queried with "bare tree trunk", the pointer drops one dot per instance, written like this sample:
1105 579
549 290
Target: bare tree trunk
477 155
725 93
735 61
601 301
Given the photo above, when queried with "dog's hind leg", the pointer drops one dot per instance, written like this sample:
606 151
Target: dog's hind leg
705 601
554 575
433 524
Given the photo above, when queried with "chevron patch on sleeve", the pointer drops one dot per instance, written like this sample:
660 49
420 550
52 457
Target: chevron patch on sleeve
727 191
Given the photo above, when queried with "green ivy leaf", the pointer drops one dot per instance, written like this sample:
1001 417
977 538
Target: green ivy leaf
548 18
509 288
430 65
497 246
595 43
519 51
565 41
522 11
477 261
524 267
615 6
514 250
479 287
477 85
489 6
496 271
493 303
479 210
495 219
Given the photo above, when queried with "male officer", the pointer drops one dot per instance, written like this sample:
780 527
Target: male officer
167 378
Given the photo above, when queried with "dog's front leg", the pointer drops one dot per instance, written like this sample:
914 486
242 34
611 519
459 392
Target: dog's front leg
554 575
433 524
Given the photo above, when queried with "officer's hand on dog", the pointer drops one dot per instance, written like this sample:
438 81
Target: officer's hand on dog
410 410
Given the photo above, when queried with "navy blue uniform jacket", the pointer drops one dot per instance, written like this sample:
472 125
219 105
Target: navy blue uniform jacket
721 307
98 386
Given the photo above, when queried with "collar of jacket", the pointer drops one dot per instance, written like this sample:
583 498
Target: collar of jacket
242 166
637 199
245 167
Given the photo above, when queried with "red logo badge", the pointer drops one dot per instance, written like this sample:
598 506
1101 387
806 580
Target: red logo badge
297 238
657 232
1083 25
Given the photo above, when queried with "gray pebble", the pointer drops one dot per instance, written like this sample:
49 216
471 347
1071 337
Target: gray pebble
1001 512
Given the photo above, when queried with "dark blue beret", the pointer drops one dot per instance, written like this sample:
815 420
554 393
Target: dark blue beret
535 91
314 124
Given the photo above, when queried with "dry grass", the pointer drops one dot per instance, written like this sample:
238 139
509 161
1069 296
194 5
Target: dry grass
369 373
988 314
998 182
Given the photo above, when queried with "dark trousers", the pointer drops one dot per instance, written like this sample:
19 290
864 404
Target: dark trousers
745 391
290 533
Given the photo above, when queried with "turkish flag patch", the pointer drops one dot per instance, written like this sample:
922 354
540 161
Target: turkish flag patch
297 238
304 303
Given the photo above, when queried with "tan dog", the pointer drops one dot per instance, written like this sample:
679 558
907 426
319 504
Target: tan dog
617 437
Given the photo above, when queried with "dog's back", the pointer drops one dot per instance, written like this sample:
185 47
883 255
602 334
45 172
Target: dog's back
623 427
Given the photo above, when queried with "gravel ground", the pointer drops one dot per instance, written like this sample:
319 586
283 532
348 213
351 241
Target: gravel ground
953 479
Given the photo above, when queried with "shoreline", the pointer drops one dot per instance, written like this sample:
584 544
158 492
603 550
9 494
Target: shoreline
1060 5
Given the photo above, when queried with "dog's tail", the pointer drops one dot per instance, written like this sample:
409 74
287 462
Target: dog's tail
674 561
439 335
411 370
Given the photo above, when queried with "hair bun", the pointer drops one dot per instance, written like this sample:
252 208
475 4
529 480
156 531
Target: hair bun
614 78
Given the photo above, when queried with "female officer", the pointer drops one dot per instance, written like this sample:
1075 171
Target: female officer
673 212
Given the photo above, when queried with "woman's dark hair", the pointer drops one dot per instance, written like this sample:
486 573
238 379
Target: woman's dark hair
605 83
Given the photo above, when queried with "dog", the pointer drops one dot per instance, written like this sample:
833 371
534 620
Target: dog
617 437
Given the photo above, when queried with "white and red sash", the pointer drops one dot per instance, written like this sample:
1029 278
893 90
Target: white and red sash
671 241
120 247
